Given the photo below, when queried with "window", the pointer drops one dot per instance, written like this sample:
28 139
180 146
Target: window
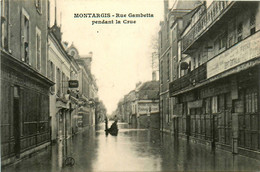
38 5
58 82
63 81
230 41
168 66
161 72
168 109
222 41
189 69
51 71
25 36
214 104
72 53
239 32
199 60
251 101
179 51
207 105
4 24
194 63
252 24
38 49
66 85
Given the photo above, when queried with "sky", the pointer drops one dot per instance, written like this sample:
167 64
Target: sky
121 52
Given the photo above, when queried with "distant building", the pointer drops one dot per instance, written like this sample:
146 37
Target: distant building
145 108
140 107
87 88
120 112
101 112
128 101
25 122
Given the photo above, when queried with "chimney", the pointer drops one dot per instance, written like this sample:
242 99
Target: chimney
166 9
137 84
154 76
88 59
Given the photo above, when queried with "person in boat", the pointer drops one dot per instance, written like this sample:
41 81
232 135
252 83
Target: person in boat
115 118
113 128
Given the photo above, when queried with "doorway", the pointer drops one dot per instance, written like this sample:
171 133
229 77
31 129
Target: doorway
16 120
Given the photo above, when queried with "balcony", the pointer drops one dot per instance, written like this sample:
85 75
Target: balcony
240 56
198 75
208 18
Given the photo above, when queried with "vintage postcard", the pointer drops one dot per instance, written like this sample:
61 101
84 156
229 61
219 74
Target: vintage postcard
130 85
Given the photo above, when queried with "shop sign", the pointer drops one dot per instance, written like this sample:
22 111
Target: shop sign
195 104
145 108
73 83
214 90
242 52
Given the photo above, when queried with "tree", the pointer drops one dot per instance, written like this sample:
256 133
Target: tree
155 56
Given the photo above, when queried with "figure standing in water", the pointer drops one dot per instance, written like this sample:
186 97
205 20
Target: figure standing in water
115 119
106 125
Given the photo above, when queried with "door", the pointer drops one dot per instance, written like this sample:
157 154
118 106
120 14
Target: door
16 121
249 122
161 114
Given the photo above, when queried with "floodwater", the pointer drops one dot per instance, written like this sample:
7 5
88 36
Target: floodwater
133 150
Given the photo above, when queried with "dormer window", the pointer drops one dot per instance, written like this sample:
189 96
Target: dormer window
72 53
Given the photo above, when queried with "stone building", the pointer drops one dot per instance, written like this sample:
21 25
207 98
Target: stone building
175 19
145 107
217 94
128 101
87 90
25 123
63 100
140 107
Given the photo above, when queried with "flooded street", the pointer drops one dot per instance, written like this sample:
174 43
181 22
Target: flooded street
133 150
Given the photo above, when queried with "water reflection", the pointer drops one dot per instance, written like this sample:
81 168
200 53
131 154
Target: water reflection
134 150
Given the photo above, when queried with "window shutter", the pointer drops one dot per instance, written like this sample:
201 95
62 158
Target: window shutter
22 37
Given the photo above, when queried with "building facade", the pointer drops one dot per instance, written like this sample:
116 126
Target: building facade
87 90
217 94
140 107
25 122
175 19
63 104
146 105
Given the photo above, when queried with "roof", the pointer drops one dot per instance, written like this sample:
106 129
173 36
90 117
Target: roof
150 85
148 90
185 4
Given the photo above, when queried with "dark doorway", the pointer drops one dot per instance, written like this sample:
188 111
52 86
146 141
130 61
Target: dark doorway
16 121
